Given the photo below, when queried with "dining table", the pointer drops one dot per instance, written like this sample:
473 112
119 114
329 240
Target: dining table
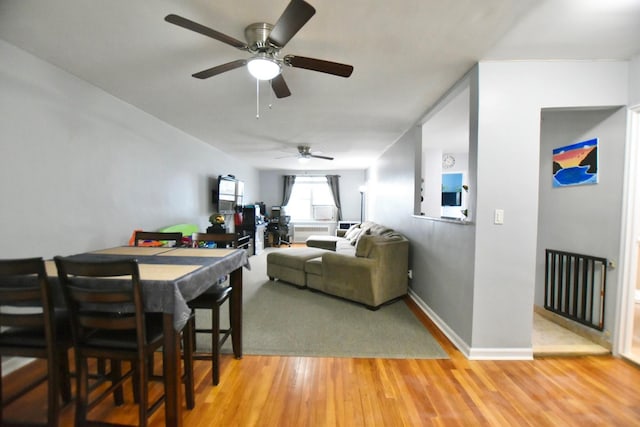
170 277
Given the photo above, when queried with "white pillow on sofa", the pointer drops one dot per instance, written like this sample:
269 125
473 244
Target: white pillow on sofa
352 232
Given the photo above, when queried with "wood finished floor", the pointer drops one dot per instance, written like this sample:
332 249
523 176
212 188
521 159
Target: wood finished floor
304 391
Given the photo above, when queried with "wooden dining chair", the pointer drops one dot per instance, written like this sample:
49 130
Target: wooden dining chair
222 240
157 236
106 309
30 326
212 299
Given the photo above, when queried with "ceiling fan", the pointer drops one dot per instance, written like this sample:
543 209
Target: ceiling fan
305 154
264 42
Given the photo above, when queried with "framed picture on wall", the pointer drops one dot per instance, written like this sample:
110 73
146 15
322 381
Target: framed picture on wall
576 164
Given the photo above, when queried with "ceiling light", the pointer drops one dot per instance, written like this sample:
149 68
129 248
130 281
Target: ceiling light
303 159
263 68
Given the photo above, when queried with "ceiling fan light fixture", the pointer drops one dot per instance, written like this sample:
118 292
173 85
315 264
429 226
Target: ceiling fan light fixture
304 159
263 68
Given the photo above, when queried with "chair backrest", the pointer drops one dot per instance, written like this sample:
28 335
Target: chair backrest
157 236
284 220
102 296
25 297
231 238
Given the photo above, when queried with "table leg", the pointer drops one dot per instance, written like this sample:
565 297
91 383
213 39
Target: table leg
236 312
171 366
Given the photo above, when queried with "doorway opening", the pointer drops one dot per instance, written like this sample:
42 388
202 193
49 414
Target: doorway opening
584 217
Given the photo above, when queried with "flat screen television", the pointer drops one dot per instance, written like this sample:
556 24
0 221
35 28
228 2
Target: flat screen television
452 198
228 195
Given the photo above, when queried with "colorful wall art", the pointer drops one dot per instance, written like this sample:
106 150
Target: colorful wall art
576 164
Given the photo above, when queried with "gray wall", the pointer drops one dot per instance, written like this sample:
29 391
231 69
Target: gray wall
271 187
80 169
441 253
582 219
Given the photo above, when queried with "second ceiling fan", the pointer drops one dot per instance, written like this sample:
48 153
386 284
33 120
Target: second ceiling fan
264 42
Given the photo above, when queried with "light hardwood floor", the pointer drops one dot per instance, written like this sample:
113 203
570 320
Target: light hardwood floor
304 391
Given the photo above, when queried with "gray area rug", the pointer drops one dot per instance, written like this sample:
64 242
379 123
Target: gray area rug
280 319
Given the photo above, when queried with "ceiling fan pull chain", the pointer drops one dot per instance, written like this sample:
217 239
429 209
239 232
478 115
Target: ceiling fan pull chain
271 94
257 99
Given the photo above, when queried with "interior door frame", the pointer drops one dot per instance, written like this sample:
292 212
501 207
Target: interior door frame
630 238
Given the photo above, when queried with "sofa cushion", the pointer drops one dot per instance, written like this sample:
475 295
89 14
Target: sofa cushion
363 232
294 257
369 241
313 266
323 242
363 248
379 230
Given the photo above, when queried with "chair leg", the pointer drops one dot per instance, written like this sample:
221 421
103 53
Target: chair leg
53 388
142 376
116 374
65 376
134 381
188 343
102 366
215 343
1 395
82 391
151 365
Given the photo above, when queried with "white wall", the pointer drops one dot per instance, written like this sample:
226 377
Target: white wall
80 169
512 95
634 81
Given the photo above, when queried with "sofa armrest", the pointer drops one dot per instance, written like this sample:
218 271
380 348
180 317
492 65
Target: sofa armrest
349 277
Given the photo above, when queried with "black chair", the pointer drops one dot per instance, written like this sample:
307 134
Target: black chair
108 321
212 300
283 230
222 240
157 236
31 327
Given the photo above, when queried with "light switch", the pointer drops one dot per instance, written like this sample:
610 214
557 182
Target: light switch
498 217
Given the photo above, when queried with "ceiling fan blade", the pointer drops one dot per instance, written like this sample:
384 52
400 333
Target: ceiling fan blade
335 68
297 13
198 28
280 87
321 157
205 74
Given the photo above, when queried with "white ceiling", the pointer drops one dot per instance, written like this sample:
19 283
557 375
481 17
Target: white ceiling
405 54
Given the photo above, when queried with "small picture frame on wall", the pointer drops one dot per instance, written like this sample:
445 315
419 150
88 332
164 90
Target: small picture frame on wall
576 164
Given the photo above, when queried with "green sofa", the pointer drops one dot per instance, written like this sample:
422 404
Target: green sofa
369 265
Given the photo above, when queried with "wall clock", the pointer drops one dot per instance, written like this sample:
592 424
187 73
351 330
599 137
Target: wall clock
448 161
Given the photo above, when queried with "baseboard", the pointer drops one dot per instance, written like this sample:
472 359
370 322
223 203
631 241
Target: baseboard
501 354
446 330
470 352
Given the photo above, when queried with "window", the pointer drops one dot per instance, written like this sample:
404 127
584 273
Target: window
311 199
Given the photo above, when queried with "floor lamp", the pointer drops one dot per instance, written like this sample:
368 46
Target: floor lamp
362 190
